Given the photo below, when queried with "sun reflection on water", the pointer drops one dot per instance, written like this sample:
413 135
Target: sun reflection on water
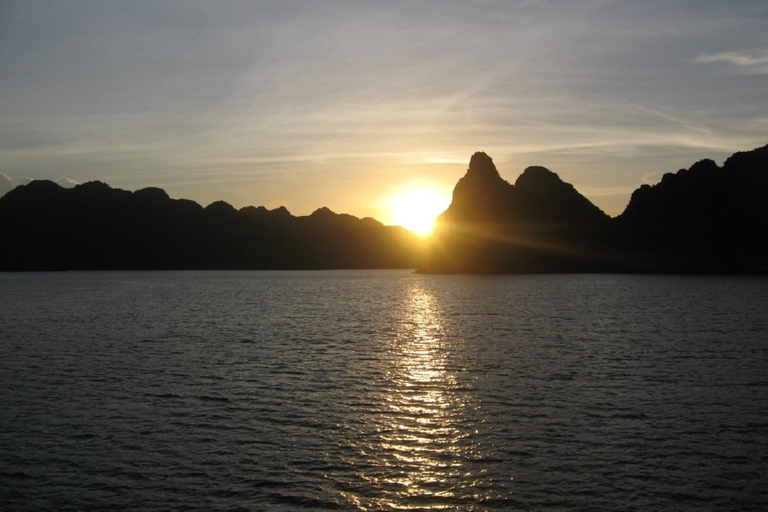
420 452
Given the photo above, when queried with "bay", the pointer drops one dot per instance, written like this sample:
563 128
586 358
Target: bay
382 390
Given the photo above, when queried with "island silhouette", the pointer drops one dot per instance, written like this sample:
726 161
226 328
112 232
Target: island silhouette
705 219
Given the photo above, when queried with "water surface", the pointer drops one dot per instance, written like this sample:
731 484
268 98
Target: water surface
382 390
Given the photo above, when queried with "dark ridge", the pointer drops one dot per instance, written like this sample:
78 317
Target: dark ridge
94 227
540 224
547 198
702 219
706 219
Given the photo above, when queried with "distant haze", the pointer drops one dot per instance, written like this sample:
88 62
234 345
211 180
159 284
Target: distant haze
347 104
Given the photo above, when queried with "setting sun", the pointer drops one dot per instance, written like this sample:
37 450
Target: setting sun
417 209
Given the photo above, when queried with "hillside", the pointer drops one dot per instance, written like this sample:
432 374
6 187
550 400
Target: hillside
706 219
93 227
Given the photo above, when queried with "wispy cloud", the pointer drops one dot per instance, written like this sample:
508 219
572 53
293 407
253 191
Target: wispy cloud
67 182
755 63
6 184
337 103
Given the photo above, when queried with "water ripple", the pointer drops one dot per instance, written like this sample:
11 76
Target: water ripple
263 391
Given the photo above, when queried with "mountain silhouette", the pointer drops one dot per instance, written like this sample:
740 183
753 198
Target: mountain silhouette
702 219
539 224
95 227
706 219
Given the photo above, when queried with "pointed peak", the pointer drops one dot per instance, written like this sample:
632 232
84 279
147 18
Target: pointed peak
323 212
481 165
281 210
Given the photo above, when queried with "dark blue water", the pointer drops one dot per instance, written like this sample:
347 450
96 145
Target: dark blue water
382 390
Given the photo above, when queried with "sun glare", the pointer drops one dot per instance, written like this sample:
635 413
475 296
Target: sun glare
417 209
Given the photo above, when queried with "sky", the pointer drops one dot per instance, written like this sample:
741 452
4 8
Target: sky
347 104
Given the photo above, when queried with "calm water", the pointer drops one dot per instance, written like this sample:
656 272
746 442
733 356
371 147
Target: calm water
382 390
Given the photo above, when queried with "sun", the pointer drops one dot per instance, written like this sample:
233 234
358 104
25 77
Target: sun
417 209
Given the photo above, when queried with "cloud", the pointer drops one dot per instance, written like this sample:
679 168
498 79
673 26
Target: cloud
751 63
248 101
6 184
650 178
67 182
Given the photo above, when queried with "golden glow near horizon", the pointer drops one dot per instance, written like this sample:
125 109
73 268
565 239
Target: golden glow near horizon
418 208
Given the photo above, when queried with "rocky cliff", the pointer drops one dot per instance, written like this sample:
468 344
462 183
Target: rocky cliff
706 219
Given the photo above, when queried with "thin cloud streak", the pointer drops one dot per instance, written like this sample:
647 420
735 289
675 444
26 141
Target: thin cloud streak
752 63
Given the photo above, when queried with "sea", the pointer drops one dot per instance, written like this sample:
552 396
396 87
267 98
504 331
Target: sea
382 390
